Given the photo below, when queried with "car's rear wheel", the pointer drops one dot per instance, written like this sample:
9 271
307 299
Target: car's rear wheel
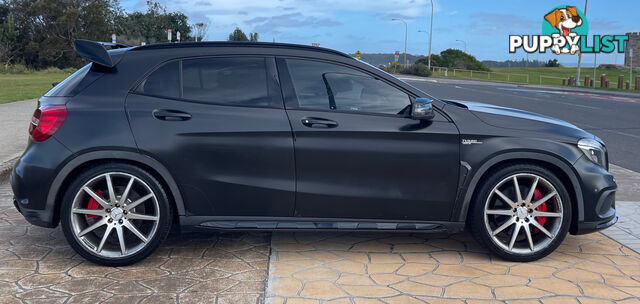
521 212
115 214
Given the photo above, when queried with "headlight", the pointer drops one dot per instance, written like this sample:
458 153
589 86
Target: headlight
594 150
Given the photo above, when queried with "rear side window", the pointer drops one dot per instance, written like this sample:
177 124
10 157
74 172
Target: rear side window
163 82
236 81
72 84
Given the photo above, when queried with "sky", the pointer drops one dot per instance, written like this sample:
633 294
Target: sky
366 25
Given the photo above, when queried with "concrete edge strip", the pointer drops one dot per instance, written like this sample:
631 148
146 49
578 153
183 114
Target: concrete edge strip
5 170
580 90
619 242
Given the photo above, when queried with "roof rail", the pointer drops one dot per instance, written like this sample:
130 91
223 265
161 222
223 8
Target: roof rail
96 52
188 44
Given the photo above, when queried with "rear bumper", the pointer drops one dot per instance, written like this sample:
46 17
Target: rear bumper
31 181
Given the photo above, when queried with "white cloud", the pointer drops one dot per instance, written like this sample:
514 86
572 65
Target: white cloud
274 15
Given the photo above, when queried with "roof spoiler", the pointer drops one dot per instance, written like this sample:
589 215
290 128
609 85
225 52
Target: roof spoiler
96 52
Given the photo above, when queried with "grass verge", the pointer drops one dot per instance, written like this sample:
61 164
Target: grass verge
542 76
28 85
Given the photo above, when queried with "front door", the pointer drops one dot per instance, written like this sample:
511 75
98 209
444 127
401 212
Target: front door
219 126
358 153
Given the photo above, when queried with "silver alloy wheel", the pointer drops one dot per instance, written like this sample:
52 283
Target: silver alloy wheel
129 207
512 222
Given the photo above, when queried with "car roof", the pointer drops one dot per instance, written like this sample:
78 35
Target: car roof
275 45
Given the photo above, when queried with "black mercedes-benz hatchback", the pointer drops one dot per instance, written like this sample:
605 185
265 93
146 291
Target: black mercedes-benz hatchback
269 136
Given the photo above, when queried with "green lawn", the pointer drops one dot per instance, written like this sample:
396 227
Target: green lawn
539 75
14 87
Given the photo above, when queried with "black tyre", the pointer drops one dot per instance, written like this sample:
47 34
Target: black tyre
115 214
520 212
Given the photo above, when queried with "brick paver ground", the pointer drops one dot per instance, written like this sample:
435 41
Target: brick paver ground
627 230
404 268
37 266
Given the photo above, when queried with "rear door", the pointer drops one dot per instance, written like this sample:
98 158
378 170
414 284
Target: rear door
359 155
218 125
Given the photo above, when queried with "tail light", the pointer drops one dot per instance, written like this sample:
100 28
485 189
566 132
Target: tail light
47 120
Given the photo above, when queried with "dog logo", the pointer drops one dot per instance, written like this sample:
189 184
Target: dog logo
564 31
564 19
567 22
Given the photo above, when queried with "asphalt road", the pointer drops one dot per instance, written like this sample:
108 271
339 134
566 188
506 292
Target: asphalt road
614 118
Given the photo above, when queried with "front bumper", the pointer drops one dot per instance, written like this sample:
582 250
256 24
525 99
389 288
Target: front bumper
599 198
31 180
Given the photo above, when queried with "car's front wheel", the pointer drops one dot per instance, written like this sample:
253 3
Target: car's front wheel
521 212
115 214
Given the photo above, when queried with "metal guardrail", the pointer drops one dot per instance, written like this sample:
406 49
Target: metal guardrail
482 75
512 77
558 80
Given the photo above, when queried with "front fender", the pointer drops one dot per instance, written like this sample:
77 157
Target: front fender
474 175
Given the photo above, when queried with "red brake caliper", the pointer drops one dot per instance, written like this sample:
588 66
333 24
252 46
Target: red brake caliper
93 204
543 207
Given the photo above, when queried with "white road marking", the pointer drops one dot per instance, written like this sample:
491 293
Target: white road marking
418 79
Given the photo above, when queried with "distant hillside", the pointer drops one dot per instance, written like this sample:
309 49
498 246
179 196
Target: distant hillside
386 58
514 63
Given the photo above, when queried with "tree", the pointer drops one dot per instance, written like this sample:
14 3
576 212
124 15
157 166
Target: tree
152 25
253 37
40 33
46 29
552 63
8 36
200 30
238 35
453 58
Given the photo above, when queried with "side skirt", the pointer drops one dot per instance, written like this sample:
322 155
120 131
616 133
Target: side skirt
188 223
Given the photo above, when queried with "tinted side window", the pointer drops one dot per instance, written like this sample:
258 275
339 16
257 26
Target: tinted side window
351 92
238 81
328 86
68 86
165 81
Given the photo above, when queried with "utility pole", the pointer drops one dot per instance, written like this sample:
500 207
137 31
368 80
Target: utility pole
594 69
580 51
465 44
406 29
430 34
630 64
422 31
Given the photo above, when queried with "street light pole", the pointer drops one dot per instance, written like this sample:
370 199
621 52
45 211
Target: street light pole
465 44
430 34
594 69
421 31
580 51
406 29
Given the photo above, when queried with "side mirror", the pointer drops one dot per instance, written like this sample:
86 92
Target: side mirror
422 109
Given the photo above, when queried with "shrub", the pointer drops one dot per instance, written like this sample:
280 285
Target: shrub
15 69
417 69
414 69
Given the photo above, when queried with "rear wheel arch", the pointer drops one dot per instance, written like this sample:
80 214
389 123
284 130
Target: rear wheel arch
560 168
77 165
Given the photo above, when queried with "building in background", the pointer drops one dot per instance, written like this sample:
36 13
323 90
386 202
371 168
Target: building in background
632 44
